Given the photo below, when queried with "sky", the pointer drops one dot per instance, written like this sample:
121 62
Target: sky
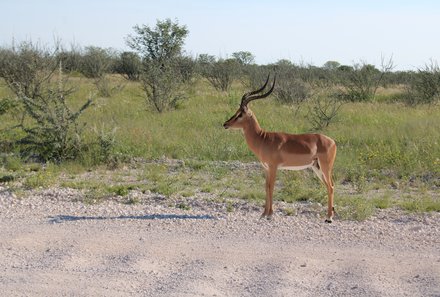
304 32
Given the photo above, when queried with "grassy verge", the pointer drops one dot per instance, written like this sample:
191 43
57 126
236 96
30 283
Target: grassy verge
382 145
223 182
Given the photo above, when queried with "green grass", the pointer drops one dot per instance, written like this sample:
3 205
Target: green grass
383 202
354 207
370 136
223 182
379 144
301 186
43 178
420 203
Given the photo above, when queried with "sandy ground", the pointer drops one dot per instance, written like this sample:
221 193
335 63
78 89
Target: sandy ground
56 247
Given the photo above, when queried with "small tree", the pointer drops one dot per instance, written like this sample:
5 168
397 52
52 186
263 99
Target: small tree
244 58
424 87
323 110
26 68
96 62
203 62
50 126
55 133
219 73
187 68
331 65
71 59
291 88
162 86
362 81
129 65
160 49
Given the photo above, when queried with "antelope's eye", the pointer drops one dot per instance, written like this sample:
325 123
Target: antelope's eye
240 115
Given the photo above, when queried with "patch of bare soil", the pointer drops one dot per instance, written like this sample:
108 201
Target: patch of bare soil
53 246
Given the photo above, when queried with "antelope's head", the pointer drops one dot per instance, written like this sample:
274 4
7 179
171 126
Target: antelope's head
244 114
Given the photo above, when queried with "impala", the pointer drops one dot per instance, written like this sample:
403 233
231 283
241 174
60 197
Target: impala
278 150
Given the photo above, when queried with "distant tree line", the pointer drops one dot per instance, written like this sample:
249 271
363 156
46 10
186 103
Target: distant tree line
360 81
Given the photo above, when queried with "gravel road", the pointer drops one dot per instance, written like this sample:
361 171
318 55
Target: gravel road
52 246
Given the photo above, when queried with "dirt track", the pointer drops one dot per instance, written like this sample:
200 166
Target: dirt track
54 247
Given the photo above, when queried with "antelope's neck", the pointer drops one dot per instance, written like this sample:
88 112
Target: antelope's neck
253 134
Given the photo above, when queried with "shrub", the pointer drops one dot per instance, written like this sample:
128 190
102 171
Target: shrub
106 88
162 86
7 104
129 65
323 110
96 62
290 88
187 68
362 80
220 73
424 86
161 50
72 59
103 150
360 83
54 133
244 58
50 127
26 68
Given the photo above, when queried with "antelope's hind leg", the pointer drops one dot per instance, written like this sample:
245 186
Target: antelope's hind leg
324 174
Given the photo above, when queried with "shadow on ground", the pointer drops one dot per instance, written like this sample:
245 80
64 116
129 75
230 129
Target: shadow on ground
67 218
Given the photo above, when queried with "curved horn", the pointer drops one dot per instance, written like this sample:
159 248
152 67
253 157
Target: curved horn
248 97
257 91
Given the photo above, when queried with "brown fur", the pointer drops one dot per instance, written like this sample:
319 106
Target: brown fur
277 150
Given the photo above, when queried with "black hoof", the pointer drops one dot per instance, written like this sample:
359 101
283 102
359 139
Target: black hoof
329 221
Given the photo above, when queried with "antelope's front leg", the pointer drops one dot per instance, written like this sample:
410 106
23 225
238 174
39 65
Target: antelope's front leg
270 183
330 206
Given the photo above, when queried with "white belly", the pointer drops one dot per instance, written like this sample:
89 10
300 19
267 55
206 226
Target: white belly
302 167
